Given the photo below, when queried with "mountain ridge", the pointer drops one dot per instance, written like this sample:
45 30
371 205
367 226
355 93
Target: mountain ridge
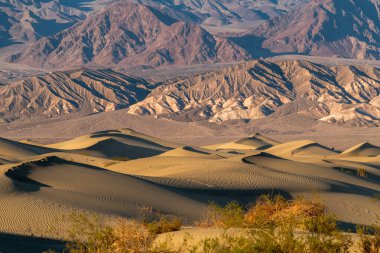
349 29
130 34
335 93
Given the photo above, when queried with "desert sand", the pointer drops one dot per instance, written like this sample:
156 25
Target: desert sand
117 173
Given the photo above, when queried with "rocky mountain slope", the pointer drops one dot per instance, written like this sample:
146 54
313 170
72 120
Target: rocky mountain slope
219 13
129 34
60 93
336 93
28 20
325 28
259 89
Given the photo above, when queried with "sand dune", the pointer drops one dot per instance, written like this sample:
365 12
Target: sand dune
12 149
300 148
124 143
95 189
79 176
188 152
362 149
257 141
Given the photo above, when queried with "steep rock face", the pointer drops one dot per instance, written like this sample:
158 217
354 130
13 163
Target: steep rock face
130 34
259 89
326 28
68 92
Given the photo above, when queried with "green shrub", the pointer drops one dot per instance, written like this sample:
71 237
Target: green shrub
88 235
163 224
231 215
369 239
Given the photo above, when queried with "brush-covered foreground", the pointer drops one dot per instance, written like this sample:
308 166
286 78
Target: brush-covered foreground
272 225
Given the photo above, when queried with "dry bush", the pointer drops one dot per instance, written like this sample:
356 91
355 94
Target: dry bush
369 239
132 237
157 222
231 215
274 225
88 235
362 173
270 211
163 224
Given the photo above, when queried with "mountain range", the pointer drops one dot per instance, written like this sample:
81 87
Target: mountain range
158 33
336 93
260 89
334 28
68 92
130 34
85 64
24 21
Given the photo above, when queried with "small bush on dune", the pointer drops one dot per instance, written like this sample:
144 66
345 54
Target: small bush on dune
88 235
362 173
232 215
369 239
157 222
163 224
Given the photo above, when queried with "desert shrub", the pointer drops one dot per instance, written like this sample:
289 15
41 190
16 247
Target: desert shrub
157 222
231 215
88 235
369 239
323 235
362 173
274 225
271 211
163 224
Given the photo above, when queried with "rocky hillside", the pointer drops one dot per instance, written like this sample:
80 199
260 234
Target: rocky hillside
129 34
255 90
69 92
325 28
337 93
28 20
219 13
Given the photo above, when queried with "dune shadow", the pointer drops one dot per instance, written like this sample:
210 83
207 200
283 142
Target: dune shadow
187 148
219 196
335 185
11 243
127 138
112 148
20 174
